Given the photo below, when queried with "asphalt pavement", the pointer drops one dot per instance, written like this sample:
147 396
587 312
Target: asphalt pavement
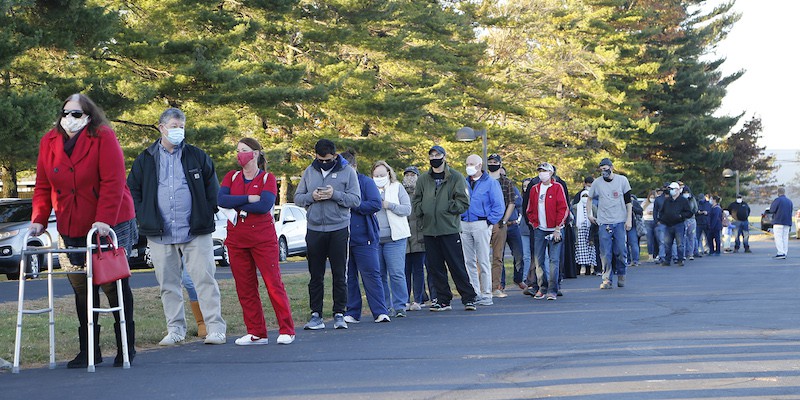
719 327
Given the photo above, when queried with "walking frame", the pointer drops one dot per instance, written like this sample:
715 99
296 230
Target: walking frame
90 309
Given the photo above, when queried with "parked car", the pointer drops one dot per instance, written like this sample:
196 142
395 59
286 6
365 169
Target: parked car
290 226
766 220
140 255
15 220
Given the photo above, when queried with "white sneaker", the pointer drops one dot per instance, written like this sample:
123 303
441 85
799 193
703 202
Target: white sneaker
350 320
414 307
248 340
172 338
216 338
499 294
285 339
382 318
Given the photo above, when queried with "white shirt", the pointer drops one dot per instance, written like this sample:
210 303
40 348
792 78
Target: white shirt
542 215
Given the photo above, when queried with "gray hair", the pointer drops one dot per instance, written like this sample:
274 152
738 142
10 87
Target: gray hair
171 113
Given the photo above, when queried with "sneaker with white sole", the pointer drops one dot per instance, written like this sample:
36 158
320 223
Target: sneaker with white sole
250 340
484 301
285 339
338 321
350 319
438 307
381 318
414 307
215 338
499 294
315 322
172 338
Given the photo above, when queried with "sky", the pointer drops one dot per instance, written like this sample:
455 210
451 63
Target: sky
764 44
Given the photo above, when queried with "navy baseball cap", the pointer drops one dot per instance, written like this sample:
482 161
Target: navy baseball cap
411 169
438 149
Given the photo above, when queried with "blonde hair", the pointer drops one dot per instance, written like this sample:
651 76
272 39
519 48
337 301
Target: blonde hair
392 174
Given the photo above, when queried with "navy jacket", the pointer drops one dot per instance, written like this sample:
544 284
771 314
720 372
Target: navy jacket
781 210
364 229
715 219
702 218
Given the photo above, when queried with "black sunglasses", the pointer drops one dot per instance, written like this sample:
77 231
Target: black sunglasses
74 113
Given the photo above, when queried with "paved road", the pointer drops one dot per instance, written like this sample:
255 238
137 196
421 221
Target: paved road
720 327
37 288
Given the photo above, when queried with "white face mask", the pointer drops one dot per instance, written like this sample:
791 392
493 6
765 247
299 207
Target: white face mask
674 192
651 198
687 195
175 135
544 176
584 199
381 181
738 200
72 124
471 170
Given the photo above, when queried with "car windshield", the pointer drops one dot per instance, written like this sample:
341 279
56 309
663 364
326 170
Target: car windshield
277 214
20 212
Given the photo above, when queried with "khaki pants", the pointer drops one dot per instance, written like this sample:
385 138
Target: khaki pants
498 242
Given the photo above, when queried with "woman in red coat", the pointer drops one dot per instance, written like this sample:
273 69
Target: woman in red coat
80 173
253 244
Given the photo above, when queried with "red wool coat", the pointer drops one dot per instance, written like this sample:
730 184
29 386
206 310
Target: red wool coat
87 187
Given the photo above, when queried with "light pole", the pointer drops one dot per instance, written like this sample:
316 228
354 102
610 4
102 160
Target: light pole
467 134
729 173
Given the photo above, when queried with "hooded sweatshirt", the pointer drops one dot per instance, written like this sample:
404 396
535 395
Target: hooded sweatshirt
332 214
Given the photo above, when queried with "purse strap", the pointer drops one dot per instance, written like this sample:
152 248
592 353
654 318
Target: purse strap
100 246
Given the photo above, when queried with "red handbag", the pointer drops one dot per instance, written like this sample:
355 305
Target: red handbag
110 265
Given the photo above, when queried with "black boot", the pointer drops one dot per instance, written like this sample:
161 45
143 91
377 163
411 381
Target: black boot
82 359
130 327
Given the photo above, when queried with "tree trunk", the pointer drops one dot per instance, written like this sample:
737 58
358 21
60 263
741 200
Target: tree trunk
284 191
8 175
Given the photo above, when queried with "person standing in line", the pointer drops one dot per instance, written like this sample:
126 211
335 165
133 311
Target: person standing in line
650 224
81 175
690 236
439 200
548 212
500 230
525 231
614 217
781 209
740 211
514 241
328 190
714 226
585 252
673 213
703 211
365 254
394 233
174 187
486 208
253 243
415 251
633 234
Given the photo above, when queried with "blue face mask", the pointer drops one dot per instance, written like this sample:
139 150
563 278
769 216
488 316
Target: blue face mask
175 135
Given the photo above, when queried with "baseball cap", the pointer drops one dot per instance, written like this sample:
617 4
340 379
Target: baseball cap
674 185
411 168
606 161
495 156
438 149
545 167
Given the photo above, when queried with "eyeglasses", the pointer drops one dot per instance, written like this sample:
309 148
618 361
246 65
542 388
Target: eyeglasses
74 113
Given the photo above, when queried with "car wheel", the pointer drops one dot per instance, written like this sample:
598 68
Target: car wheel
226 258
148 260
34 266
283 249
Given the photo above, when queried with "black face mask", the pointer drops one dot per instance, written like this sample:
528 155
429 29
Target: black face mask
494 168
437 162
325 165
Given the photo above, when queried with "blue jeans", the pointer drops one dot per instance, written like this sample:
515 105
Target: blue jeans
652 241
364 261
393 274
661 230
741 228
188 285
633 246
675 233
613 249
690 238
415 276
526 257
546 277
514 241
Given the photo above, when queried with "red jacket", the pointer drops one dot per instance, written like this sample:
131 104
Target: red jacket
555 206
87 187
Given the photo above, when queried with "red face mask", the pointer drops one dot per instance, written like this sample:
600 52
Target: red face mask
244 157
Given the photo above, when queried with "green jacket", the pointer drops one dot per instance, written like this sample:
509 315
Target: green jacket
439 208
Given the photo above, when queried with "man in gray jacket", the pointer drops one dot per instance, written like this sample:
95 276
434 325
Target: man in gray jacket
328 190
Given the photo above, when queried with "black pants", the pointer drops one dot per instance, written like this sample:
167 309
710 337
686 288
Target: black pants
127 234
322 247
447 248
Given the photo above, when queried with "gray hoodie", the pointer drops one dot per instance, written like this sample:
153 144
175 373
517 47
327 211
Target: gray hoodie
333 214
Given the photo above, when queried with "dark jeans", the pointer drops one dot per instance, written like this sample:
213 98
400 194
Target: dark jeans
127 234
674 233
702 231
332 247
447 249
514 241
714 241
415 277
